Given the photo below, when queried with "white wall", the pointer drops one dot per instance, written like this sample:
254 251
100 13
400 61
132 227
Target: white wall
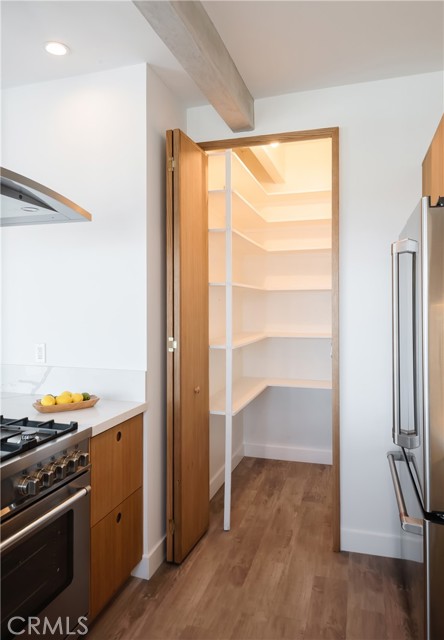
99 140
80 288
289 424
385 130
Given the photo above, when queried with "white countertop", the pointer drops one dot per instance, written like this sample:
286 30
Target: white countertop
104 415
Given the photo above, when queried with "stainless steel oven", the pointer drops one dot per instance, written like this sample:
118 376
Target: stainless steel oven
45 532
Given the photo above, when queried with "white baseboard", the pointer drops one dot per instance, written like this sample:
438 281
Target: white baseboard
150 562
371 542
284 452
382 544
217 480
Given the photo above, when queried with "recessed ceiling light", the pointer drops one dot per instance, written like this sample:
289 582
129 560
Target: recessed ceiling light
56 48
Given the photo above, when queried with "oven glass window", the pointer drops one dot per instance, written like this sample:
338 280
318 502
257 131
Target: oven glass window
35 571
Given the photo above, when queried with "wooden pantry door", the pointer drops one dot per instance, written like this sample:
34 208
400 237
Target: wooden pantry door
187 335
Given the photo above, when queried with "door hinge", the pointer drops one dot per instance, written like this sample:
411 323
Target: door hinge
172 345
171 164
172 526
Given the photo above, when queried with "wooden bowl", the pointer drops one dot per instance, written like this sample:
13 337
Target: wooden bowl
72 406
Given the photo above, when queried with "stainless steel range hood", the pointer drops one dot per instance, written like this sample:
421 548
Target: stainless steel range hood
24 202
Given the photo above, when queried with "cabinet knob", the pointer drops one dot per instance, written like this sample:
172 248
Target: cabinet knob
119 436
197 390
119 517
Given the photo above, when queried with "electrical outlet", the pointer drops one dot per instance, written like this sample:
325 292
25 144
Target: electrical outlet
40 353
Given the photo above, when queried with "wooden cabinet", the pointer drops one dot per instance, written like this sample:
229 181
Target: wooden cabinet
116 509
270 280
433 167
116 548
116 457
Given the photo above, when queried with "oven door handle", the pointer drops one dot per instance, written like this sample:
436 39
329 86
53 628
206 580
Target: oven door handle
412 525
5 544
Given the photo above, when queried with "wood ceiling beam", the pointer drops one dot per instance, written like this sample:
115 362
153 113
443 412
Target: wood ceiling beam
261 164
189 34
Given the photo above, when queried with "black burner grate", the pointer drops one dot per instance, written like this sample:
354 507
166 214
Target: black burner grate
20 435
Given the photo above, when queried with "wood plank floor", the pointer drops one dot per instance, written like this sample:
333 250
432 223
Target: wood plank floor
272 576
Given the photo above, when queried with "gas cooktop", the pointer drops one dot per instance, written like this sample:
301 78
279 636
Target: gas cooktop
20 435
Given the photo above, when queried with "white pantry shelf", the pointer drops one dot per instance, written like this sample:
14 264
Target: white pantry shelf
244 339
243 285
302 334
301 287
294 208
299 384
286 245
239 340
245 390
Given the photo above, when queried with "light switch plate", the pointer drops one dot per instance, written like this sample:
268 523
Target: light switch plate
40 353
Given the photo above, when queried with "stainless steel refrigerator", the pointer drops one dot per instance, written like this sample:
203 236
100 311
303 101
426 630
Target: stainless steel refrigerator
417 465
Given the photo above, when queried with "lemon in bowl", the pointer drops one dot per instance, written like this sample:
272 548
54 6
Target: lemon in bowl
63 398
77 397
48 400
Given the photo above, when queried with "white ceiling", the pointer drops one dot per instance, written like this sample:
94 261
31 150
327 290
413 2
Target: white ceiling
281 47
278 46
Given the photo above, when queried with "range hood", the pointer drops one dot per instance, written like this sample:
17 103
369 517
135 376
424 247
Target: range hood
24 202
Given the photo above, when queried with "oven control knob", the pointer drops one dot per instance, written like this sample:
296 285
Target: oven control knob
73 462
84 459
60 469
47 477
29 486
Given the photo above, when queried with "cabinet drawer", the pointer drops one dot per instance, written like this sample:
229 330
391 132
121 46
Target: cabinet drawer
116 548
116 457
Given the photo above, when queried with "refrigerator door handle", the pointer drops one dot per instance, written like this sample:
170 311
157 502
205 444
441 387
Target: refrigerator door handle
409 439
409 524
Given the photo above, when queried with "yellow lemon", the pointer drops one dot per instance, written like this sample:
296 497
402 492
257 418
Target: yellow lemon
77 397
47 400
63 399
66 393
